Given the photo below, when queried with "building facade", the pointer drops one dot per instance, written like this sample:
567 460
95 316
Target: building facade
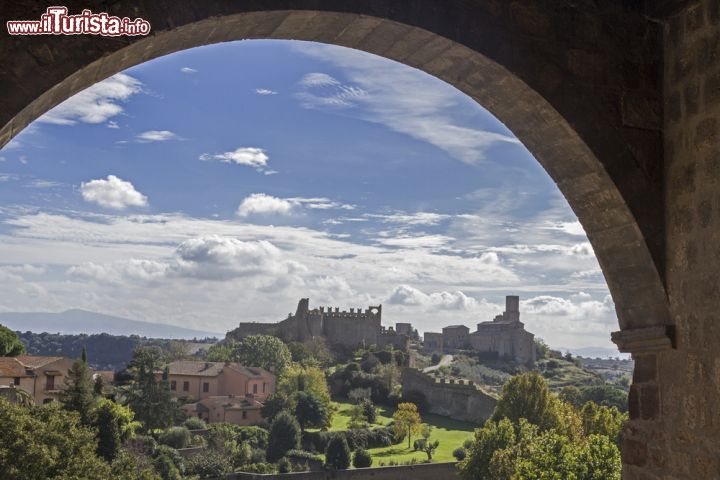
199 380
505 336
42 377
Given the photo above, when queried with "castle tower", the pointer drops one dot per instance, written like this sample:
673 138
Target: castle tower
512 308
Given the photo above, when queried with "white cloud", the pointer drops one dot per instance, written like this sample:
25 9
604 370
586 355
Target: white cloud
215 257
265 91
112 193
23 159
250 156
40 183
410 296
317 80
419 218
398 97
96 104
156 136
262 204
112 124
582 249
188 70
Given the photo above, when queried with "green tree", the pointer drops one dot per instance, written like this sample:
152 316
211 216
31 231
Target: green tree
98 386
149 397
601 420
274 404
490 438
407 421
108 433
263 351
78 394
337 455
369 410
429 448
114 425
10 344
310 410
362 459
528 396
284 436
221 351
47 442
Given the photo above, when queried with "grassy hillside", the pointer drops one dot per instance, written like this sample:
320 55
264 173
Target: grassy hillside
450 433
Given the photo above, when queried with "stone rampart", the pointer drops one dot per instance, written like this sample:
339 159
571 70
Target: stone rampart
454 398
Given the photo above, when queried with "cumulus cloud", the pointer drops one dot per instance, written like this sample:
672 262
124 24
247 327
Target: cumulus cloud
582 249
112 124
249 156
112 193
156 136
188 70
215 257
410 296
120 271
265 91
96 104
262 204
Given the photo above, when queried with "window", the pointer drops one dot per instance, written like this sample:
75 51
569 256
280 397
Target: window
16 380
244 415
254 387
173 385
264 384
50 383
186 386
47 400
206 387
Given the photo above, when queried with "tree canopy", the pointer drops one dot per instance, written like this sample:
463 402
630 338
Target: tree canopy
10 344
407 421
263 351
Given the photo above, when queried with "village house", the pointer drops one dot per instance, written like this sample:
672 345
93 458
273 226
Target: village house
40 376
223 391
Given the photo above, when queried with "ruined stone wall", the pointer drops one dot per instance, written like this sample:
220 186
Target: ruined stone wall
458 399
674 432
351 329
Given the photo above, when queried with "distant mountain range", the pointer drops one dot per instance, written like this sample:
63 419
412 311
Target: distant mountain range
82 321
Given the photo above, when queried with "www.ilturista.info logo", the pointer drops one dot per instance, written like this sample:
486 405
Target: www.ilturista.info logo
56 21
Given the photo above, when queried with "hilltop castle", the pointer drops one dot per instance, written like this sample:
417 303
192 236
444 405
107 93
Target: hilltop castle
504 336
340 328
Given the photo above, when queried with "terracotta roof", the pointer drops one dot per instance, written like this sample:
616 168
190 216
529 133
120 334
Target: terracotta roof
212 369
33 361
10 367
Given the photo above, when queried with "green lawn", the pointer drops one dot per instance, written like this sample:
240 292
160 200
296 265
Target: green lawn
450 433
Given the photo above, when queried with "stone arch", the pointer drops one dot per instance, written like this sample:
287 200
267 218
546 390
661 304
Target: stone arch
577 98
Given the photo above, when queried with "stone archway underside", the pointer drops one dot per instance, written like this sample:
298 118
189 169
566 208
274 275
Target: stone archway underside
581 98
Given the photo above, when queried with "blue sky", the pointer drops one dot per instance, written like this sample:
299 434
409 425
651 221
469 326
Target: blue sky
221 184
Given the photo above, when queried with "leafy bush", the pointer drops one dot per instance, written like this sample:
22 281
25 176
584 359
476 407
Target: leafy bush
166 468
435 358
356 395
260 467
284 465
176 437
194 423
362 459
370 363
303 455
209 464
459 454
172 454
356 438
337 455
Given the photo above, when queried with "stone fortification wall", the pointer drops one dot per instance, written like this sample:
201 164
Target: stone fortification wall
458 399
